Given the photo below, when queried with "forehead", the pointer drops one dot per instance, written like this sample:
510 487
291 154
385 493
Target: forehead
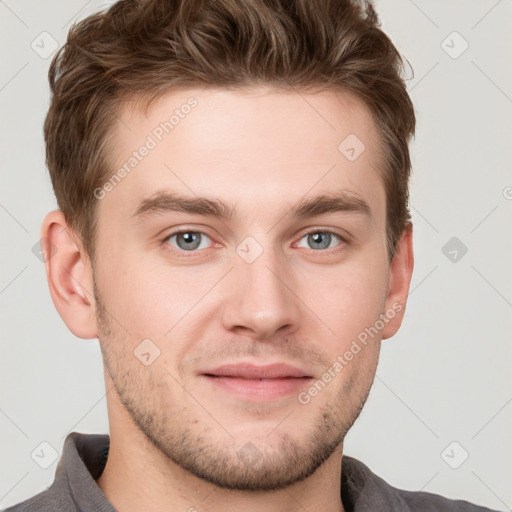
264 147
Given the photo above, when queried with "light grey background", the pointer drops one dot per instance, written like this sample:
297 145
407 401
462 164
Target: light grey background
444 377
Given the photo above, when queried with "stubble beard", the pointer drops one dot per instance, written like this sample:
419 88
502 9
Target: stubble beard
193 444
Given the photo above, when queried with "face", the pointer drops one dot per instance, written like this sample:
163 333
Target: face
241 265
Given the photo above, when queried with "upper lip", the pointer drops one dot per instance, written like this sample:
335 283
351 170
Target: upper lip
251 371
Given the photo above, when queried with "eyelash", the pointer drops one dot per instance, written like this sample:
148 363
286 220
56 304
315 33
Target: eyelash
183 254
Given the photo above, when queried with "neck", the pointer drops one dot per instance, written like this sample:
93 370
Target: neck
138 476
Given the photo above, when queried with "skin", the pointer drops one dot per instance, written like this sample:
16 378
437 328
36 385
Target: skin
179 440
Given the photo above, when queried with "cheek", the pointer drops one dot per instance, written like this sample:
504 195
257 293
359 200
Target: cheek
149 296
149 299
351 298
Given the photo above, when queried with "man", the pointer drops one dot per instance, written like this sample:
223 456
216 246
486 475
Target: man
232 180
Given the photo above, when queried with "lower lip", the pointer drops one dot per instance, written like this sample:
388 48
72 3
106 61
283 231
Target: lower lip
267 389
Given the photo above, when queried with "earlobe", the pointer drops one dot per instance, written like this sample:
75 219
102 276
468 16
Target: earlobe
400 273
69 275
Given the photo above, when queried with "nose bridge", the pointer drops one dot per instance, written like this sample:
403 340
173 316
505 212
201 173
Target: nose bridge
260 292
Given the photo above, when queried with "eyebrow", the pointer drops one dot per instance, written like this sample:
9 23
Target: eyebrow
333 202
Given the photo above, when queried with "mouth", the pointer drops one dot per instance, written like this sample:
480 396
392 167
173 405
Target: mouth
258 382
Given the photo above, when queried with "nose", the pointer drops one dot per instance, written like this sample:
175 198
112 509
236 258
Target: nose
260 298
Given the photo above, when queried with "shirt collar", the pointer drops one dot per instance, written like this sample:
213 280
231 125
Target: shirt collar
85 455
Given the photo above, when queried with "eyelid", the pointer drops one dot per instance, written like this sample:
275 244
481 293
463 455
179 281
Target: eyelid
343 239
182 253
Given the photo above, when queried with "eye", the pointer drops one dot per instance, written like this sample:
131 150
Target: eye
321 239
187 240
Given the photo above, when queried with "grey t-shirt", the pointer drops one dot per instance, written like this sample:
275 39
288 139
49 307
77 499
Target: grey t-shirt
84 457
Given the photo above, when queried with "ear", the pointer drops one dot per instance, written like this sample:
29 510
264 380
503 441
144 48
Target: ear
400 273
69 274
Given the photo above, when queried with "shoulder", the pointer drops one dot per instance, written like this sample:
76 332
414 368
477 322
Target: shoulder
426 501
367 491
73 482
51 499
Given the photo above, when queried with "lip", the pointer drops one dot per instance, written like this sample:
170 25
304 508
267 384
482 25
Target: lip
251 381
253 372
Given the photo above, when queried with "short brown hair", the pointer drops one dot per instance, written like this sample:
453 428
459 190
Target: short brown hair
147 47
